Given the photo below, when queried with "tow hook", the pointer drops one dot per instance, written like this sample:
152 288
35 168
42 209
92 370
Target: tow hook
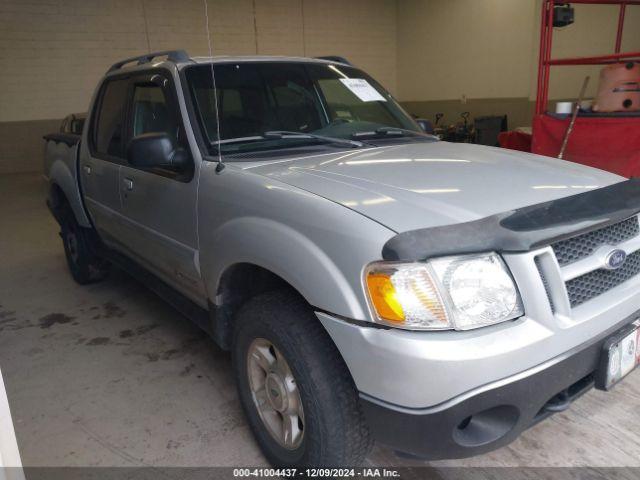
559 403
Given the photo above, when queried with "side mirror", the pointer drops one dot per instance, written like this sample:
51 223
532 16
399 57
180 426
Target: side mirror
158 150
425 125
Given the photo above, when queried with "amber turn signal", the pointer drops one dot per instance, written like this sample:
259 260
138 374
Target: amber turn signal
384 297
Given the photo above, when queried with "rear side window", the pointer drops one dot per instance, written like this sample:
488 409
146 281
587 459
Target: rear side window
108 136
76 125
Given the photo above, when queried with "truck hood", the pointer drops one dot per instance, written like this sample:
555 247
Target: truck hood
418 185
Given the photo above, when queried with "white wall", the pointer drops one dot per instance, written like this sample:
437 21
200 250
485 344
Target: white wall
54 51
477 48
428 52
488 49
9 454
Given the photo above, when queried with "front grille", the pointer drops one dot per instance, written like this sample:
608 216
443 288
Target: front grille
595 283
545 283
577 248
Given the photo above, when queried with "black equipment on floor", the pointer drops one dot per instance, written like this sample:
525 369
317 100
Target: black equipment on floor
487 129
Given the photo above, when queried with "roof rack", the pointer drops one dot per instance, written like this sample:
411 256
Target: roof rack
335 58
172 56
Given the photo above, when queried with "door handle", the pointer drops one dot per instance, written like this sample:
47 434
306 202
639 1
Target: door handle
87 169
128 184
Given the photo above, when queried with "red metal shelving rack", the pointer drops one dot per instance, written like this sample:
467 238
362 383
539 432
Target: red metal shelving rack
545 62
606 141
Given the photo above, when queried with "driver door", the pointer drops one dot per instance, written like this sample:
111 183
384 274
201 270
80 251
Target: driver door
159 206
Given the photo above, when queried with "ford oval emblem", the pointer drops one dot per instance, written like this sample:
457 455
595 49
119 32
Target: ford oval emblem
615 259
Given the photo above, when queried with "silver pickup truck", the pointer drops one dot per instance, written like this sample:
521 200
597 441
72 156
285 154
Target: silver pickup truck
371 282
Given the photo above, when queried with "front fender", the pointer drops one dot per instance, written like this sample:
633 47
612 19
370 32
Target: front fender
289 254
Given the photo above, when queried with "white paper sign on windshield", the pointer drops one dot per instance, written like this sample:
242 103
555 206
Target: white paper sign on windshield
363 90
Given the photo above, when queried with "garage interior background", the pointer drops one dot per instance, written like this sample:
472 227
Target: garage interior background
435 56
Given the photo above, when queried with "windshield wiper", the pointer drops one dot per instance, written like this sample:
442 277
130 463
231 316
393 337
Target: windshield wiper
283 134
385 132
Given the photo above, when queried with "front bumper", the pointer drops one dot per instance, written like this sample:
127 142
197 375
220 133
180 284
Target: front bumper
420 370
491 416
484 421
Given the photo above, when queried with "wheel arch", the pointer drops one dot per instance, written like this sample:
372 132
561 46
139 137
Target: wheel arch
239 283
253 255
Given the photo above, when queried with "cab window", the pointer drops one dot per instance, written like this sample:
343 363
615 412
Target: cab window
151 112
108 134
154 109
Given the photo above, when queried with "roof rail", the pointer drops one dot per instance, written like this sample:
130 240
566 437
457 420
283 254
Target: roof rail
172 56
335 58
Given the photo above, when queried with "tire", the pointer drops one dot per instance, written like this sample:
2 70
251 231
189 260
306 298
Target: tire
80 247
331 423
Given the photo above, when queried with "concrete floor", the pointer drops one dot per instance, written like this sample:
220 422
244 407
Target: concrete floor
109 375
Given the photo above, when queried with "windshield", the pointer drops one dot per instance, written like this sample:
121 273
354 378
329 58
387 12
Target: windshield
323 101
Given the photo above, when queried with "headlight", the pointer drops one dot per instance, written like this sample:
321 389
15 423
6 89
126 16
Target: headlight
459 293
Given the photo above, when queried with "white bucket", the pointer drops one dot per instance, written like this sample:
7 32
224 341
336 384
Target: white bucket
564 108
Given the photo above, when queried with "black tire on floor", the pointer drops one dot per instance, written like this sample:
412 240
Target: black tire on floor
334 430
85 265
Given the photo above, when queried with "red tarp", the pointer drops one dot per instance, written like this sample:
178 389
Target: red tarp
608 143
515 140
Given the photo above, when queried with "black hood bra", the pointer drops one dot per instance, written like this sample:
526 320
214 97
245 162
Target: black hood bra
523 229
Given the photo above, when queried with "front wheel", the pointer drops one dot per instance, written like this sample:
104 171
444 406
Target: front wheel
295 389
